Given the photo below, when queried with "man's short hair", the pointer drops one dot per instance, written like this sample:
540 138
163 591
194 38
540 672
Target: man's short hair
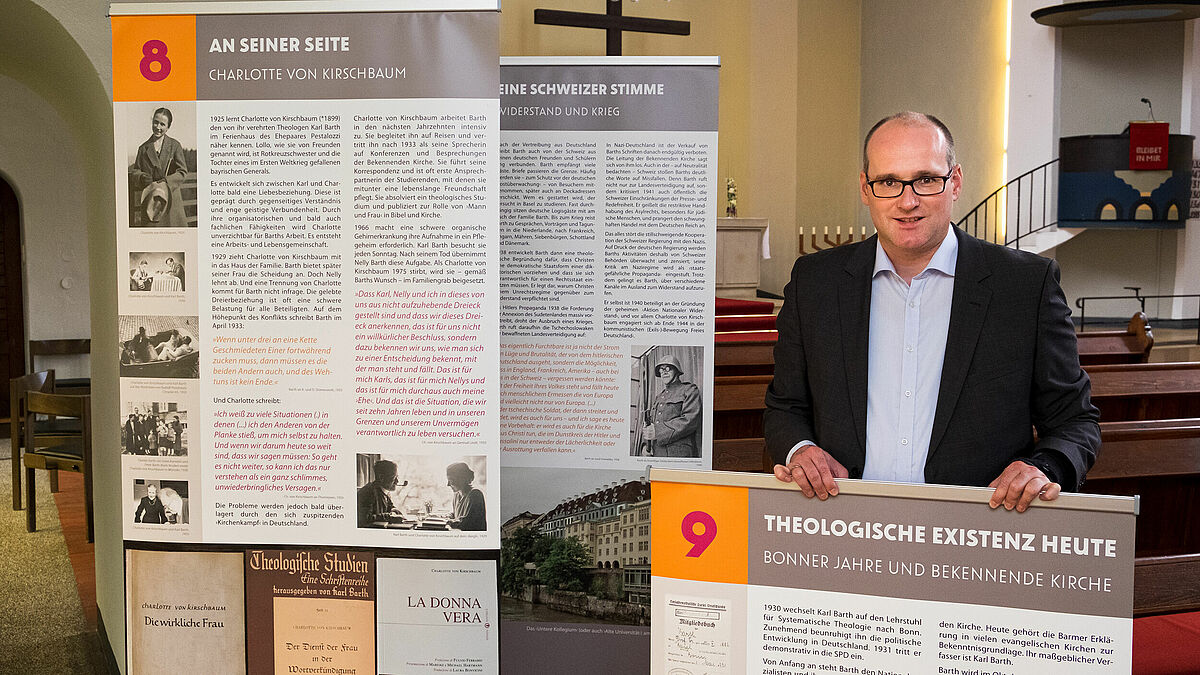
911 118
385 468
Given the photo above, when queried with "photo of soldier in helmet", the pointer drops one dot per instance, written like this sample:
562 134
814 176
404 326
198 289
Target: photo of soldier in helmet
670 410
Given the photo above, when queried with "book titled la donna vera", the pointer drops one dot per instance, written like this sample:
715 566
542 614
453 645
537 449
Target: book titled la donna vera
313 611
185 612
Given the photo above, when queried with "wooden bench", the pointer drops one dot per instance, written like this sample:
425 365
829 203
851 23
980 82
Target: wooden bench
1122 392
1166 584
1131 345
1146 429
753 352
738 443
742 454
744 353
1159 460
1166 600
738 403
1146 391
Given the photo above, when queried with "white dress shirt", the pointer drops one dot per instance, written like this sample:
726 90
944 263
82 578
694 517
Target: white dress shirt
906 348
907 345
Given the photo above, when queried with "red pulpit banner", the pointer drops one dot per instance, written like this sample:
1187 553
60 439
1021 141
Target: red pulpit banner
1148 145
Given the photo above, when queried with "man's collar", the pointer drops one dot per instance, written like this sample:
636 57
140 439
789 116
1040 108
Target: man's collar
945 259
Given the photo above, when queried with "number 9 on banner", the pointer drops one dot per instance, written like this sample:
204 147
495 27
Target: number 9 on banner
154 58
699 541
687 542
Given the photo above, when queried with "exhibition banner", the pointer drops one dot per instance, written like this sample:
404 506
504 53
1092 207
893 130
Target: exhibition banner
752 577
308 295
607 240
308 260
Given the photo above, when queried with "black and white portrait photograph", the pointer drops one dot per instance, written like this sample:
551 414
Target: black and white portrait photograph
666 401
156 272
422 492
157 428
161 155
160 346
160 502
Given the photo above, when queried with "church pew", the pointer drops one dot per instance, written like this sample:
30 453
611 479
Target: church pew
1157 459
748 353
1134 429
1124 392
1131 345
1166 624
738 403
741 454
1163 584
1160 462
1146 391
752 352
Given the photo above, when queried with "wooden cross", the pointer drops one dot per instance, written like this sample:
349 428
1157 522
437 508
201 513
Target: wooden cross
613 22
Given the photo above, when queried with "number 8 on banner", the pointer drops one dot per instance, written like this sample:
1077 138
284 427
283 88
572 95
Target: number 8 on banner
154 58
701 541
155 52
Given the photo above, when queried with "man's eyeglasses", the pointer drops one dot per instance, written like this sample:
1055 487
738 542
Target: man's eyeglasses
925 186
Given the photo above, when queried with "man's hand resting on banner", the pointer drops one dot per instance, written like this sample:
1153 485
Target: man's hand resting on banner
813 471
1018 485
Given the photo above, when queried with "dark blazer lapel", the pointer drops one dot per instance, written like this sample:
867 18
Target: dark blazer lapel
854 312
968 309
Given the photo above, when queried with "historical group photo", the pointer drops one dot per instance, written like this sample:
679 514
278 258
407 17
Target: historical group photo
154 428
160 346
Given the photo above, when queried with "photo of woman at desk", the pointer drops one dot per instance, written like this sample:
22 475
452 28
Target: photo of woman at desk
421 493
470 513
161 272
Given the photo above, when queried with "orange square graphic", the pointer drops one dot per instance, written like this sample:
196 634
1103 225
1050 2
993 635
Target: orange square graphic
154 58
699 532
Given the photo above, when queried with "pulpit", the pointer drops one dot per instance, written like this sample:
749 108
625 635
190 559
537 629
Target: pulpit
739 252
1100 183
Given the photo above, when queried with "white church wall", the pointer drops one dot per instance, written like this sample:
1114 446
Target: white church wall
1105 70
41 158
1187 241
1033 107
87 22
948 60
59 50
1103 261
